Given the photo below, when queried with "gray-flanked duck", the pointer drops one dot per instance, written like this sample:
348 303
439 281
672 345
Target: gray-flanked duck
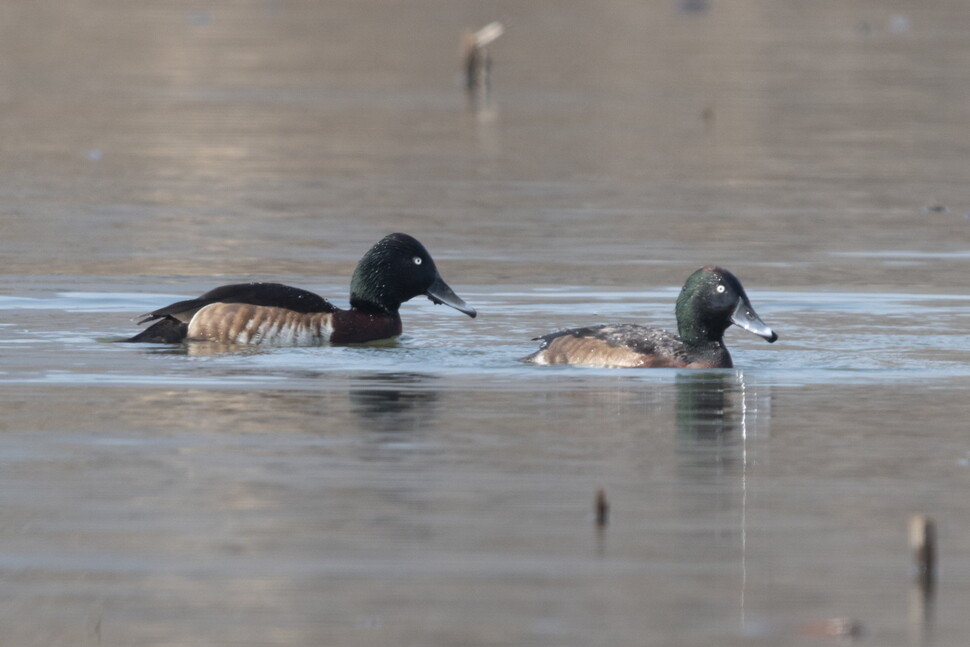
711 300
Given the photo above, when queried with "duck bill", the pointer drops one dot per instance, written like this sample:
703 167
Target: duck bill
439 292
745 317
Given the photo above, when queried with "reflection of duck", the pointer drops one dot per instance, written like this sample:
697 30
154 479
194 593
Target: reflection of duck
711 300
391 403
706 405
716 416
396 269
710 410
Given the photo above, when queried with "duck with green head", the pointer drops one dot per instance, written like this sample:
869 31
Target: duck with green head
711 300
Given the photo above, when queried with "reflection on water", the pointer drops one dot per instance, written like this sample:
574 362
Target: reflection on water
709 405
721 426
922 613
692 5
437 492
717 414
389 403
710 450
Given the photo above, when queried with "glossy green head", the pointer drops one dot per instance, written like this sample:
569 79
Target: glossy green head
711 300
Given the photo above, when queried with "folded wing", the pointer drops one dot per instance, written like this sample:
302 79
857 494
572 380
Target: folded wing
257 294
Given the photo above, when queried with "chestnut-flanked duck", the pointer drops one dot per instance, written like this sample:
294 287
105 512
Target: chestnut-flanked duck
396 269
711 300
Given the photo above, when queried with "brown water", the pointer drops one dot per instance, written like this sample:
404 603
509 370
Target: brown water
438 492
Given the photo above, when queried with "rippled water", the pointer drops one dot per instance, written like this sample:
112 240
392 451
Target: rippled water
437 491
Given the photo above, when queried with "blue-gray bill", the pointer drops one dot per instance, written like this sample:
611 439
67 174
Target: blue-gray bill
441 293
745 317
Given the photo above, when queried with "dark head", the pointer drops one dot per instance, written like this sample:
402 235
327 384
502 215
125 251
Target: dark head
396 269
712 299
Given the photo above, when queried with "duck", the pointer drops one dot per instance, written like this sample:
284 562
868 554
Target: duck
711 300
396 269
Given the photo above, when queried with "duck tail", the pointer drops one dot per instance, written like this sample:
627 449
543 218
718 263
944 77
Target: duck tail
166 331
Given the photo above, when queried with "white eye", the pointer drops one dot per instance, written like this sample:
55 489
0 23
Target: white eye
417 260
720 289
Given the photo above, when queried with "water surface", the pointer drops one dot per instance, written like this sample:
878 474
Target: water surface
437 491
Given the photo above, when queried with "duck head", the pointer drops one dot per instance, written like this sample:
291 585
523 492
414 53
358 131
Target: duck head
397 269
711 300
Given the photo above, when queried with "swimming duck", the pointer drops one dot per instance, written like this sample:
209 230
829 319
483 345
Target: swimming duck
711 300
396 269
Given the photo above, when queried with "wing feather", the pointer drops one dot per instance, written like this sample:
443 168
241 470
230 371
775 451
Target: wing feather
646 346
257 294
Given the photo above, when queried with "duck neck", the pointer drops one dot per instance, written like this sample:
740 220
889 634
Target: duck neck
371 306
700 336
695 330
706 344
369 293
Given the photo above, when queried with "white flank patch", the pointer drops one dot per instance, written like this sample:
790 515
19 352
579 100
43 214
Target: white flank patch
266 326
305 332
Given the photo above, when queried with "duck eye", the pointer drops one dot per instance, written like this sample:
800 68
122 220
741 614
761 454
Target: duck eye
720 289
418 260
